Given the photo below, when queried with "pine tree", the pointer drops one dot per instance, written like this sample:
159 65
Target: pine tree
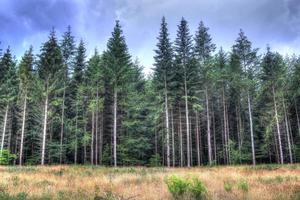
50 70
117 67
248 58
25 76
163 75
183 56
202 51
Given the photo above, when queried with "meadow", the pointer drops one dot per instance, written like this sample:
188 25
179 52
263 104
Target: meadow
139 183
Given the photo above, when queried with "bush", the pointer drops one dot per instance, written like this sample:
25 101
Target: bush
155 160
6 157
181 188
228 186
243 185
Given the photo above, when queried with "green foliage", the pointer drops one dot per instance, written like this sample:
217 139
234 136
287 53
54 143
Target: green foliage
6 157
155 160
243 185
228 186
181 188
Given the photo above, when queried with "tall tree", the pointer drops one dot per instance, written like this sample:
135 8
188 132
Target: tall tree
163 75
248 59
117 67
202 51
50 68
25 76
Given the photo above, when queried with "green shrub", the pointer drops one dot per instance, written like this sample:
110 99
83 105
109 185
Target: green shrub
181 188
155 160
228 186
197 189
7 196
243 185
6 157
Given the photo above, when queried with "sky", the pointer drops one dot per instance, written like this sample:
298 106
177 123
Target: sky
28 22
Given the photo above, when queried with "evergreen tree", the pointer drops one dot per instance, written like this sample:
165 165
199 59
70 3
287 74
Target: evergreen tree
117 68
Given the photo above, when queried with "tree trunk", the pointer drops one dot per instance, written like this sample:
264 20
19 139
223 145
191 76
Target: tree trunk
208 128
4 128
287 132
181 138
23 129
251 129
62 124
225 127
92 138
297 116
197 139
97 118
45 127
173 139
278 128
167 125
187 124
115 126
76 141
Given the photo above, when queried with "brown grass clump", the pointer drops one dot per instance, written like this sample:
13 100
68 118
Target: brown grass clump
86 182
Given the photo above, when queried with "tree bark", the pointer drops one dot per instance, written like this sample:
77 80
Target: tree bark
197 139
92 138
287 132
173 138
208 127
278 127
115 126
4 128
167 125
23 129
62 124
251 129
187 124
45 127
181 138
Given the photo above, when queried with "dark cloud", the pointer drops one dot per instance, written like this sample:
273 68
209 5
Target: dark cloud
274 22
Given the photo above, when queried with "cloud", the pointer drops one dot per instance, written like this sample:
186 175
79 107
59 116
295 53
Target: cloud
274 22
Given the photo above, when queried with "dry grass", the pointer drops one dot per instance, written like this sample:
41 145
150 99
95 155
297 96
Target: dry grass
86 182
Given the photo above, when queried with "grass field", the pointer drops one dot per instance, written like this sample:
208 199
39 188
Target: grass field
87 182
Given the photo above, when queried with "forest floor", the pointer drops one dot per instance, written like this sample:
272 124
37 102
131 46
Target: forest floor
138 183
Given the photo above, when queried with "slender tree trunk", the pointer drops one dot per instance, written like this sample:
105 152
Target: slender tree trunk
62 125
297 116
45 127
187 124
76 140
251 129
167 125
92 138
225 126
288 132
173 138
278 128
208 128
197 139
101 139
4 129
181 138
23 129
115 126
97 118
214 136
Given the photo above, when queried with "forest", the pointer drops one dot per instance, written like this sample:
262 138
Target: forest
201 105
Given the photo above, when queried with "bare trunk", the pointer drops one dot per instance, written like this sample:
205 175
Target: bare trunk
181 138
197 139
76 130
298 121
23 129
97 118
288 133
251 129
45 127
225 126
4 129
62 124
115 126
187 125
208 128
167 126
173 139
278 128
92 138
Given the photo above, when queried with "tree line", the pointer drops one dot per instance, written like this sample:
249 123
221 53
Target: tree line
200 105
